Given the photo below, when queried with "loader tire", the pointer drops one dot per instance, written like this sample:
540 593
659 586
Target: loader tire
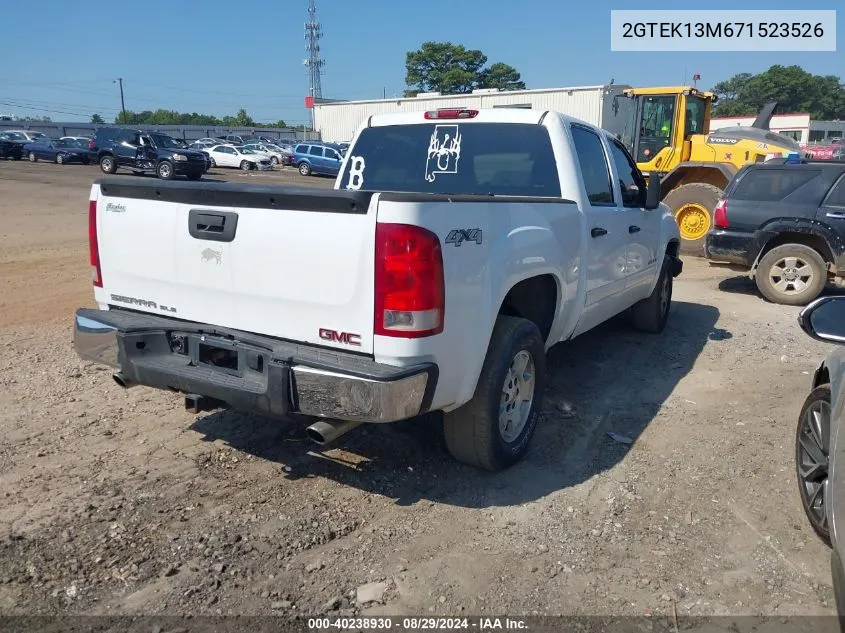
494 429
692 205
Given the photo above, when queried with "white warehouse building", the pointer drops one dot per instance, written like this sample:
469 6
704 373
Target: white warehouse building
337 121
797 126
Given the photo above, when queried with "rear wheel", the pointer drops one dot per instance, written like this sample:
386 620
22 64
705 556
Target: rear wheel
274 160
791 274
108 164
60 159
812 451
692 205
493 430
32 157
305 169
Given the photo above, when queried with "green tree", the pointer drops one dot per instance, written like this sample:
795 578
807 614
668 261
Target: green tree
502 77
454 69
795 90
96 118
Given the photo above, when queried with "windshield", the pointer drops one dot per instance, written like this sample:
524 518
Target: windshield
37 135
244 150
507 159
65 143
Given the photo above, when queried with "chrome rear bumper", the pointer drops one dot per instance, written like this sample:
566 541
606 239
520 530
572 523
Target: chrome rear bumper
266 375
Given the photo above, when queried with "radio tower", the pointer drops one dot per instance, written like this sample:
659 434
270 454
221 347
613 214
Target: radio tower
313 33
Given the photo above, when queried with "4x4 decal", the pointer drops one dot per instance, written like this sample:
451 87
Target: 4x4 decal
459 236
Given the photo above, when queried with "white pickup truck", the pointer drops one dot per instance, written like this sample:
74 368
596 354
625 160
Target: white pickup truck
456 247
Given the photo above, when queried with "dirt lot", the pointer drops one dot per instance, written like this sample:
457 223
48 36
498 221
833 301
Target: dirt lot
119 501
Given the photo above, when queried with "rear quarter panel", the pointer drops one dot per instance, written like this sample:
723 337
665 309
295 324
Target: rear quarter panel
517 241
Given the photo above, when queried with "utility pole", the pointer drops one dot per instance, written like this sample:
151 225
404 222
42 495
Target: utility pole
119 80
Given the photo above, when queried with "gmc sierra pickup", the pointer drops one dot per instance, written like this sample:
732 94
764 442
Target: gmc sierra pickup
456 248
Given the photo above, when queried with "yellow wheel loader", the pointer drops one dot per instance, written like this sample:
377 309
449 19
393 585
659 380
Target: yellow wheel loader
668 133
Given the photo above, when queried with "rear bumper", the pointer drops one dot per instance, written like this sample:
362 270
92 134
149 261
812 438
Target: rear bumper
267 376
738 248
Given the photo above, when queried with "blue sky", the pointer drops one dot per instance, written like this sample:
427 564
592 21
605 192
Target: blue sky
60 58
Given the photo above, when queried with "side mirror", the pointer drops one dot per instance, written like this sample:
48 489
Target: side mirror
652 196
824 319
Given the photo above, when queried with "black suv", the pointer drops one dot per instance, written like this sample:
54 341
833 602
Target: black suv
146 152
784 224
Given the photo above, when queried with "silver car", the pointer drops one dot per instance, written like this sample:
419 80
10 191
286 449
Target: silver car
819 449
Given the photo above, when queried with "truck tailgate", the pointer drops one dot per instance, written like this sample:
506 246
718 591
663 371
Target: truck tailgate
296 264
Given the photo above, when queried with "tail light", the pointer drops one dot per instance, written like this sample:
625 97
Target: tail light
451 113
720 214
90 143
410 292
93 244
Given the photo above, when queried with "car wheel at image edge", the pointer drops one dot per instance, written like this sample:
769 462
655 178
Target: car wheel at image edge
812 450
493 430
650 314
791 274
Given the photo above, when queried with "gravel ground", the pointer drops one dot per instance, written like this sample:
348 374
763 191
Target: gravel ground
120 502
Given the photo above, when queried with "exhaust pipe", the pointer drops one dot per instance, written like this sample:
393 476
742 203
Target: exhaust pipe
327 431
123 381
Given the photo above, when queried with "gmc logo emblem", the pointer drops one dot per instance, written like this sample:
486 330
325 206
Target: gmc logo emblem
344 338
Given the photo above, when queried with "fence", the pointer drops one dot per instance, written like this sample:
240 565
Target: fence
187 132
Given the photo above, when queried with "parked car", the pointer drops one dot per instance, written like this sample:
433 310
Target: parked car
276 155
11 146
238 156
820 438
29 135
784 225
57 151
145 152
454 251
317 158
80 139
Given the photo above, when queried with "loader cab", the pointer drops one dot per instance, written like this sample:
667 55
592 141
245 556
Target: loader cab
662 123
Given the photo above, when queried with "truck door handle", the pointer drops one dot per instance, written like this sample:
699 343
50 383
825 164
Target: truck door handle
214 226
633 229
598 232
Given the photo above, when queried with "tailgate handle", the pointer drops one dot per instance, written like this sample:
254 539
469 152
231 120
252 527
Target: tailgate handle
214 226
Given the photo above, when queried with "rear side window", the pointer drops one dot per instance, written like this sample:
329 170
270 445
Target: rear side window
316 151
505 159
594 165
772 185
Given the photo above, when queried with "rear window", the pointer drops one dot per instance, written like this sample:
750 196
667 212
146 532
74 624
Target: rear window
506 159
769 185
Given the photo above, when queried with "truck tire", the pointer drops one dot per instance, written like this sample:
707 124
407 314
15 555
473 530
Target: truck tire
164 170
791 274
650 314
692 205
812 455
108 164
493 431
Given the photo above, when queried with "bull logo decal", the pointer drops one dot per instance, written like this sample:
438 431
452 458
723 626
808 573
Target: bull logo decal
444 151
210 254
